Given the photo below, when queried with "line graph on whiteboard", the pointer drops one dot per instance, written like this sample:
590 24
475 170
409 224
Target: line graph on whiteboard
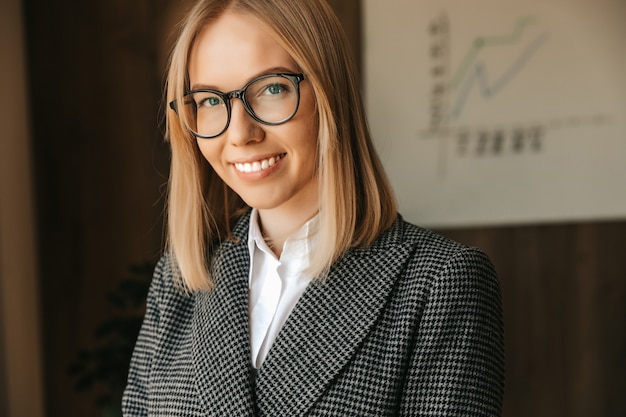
479 76
490 112
468 94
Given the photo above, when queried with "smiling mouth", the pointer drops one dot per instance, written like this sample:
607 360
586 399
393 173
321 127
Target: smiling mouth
258 166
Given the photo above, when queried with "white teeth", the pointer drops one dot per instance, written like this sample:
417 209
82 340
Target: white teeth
257 166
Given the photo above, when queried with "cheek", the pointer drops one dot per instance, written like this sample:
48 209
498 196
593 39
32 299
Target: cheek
210 153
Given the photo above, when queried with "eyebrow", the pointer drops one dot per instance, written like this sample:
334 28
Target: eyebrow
273 70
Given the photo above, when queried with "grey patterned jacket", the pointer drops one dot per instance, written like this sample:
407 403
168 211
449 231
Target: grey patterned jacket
411 326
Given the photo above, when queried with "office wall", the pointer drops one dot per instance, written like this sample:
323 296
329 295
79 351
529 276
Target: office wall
96 75
21 388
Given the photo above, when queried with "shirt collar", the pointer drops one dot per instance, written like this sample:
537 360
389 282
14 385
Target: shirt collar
297 247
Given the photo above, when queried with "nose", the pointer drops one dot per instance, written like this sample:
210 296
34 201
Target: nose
243 129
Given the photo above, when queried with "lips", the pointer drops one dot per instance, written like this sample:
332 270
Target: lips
257 166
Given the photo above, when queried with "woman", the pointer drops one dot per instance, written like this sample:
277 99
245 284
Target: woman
291 286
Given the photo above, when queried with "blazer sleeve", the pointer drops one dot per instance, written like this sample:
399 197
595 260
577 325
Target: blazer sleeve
457 364
135 398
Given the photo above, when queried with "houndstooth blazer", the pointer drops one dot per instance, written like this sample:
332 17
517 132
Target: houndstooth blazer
411 326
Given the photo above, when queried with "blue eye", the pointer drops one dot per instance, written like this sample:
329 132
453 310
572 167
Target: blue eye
275 89
210 102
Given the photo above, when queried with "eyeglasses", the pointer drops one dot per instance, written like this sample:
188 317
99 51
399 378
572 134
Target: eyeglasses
271 99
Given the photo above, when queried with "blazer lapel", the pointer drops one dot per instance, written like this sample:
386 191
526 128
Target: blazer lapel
220 333
326 326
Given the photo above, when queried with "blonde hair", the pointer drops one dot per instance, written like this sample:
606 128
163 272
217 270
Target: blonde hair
356 200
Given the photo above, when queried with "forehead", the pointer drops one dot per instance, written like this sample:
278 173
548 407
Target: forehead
231 50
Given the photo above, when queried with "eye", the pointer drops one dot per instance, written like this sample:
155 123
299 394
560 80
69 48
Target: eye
211 101
269 88
275 89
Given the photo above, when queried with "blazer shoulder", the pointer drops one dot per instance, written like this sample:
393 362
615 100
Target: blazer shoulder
423 240
434 257
166 289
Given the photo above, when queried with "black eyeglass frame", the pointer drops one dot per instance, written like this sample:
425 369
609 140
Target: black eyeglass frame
295 79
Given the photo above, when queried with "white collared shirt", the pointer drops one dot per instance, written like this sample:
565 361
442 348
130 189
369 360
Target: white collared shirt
275 284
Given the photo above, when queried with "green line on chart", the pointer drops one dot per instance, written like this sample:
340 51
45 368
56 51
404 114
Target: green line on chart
482 42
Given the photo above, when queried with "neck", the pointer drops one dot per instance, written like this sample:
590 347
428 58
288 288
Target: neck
277 226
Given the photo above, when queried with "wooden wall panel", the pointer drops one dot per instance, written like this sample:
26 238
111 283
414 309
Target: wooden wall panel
95 78
21 383
349 13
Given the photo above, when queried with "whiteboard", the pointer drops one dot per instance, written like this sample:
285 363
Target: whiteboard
499 112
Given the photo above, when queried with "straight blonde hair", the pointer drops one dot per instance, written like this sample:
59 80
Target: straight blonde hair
356 200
